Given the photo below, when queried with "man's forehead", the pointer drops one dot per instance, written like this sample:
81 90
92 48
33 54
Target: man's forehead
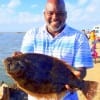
55 5
55 1
55 9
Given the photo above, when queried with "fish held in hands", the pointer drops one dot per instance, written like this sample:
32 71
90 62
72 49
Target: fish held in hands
42 74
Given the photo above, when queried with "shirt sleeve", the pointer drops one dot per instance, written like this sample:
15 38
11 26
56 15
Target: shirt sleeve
83 57
28 42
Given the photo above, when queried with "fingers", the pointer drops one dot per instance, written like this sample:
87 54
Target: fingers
17 53
77 73
70 88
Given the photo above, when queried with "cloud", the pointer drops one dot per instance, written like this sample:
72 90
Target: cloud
85 13
82 2
26 17
14 3
8 14
34 6
8 10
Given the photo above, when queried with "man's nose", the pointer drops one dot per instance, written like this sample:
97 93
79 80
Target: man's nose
55 15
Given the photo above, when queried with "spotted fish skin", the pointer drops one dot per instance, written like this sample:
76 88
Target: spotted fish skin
42 74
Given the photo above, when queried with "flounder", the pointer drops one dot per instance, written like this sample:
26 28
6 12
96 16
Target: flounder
39 74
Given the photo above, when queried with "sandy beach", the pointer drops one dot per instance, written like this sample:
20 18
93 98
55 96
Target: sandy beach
94 75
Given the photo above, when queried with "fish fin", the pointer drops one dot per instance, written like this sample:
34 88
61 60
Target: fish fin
90 89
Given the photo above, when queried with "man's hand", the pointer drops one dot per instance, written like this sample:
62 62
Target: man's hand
79 73
16 53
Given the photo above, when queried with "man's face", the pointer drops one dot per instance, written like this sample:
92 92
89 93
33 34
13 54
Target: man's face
55 16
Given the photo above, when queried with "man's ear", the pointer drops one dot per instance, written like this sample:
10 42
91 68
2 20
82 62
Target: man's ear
43 12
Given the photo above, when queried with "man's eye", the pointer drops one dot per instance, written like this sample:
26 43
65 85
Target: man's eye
60 13
57 13
50 13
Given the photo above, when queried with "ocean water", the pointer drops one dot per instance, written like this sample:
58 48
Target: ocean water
9 43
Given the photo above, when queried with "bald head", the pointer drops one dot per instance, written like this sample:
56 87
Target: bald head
58 4
55 15
55 1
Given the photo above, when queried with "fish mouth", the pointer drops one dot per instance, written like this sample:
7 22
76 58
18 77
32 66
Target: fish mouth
14 68
15 71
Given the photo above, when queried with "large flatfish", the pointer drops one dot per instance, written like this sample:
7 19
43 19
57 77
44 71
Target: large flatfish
39 74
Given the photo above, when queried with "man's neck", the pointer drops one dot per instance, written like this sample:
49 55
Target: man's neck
55 33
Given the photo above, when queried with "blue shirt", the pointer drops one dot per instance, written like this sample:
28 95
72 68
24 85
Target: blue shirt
70 45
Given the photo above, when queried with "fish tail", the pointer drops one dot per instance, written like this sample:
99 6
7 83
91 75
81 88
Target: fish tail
89 89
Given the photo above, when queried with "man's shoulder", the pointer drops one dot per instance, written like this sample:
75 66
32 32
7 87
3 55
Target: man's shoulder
72 30
36 29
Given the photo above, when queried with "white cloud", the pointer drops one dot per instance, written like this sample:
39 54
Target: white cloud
34 6
26 17
78 15
7 11
8 14
14 3
82 2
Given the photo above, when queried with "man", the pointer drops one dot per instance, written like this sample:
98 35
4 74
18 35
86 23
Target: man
57 39
92 38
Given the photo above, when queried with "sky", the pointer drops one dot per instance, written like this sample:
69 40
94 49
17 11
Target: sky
21 15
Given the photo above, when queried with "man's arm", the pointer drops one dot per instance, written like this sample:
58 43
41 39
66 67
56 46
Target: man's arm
16 53
80 72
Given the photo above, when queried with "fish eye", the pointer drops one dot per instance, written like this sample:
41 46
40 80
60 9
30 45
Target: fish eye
20 63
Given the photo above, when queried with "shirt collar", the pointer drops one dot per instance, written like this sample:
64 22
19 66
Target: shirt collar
60 34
